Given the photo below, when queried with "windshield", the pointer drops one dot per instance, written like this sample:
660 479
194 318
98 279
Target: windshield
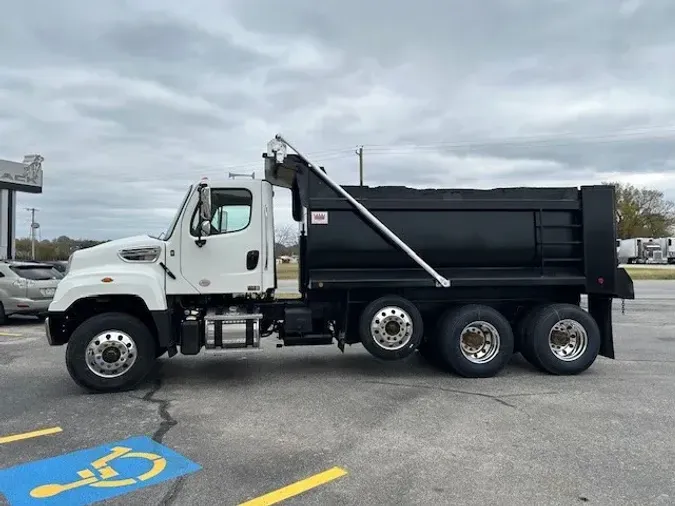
37 272
172 226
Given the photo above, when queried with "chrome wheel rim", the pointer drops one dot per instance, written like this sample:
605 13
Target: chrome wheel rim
111 354
391 328
479 342
568 340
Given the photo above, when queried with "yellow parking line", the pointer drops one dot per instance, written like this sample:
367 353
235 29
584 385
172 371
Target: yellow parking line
296 488
28 435
8 334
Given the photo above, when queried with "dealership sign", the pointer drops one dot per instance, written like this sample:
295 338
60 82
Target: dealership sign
23 176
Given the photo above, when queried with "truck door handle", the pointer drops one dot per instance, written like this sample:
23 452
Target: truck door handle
252 258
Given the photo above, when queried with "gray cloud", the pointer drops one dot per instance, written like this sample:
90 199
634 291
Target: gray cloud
130 102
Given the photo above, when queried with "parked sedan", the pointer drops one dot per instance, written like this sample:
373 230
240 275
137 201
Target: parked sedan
26 288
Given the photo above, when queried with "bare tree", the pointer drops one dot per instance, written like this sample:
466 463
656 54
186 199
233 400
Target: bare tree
286 235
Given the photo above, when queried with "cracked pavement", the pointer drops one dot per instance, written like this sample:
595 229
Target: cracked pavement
406 433
165 424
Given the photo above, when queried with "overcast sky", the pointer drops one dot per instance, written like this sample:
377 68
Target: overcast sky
130 101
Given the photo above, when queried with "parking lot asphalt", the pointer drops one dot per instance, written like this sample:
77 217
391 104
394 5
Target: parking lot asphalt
403 432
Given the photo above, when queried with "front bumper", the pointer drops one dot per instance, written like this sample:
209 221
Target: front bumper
48 333
55 331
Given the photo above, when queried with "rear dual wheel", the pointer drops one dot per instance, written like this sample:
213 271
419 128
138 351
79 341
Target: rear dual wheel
560 339
474 341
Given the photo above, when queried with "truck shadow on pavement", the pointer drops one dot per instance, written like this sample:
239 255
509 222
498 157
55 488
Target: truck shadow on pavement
248 369
18 321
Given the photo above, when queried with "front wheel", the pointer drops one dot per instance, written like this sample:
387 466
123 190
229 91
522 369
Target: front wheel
110 352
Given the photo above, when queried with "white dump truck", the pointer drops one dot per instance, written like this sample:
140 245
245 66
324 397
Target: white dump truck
465 277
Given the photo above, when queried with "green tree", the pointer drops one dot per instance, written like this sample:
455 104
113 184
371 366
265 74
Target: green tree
57 249
642 212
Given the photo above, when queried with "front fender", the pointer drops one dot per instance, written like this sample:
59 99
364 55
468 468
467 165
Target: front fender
147 284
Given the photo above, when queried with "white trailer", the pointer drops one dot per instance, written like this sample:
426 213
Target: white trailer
641 250
668 249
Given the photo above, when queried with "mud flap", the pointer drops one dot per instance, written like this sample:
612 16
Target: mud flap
624 285
600 308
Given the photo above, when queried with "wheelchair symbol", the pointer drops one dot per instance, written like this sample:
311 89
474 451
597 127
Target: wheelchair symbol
106 473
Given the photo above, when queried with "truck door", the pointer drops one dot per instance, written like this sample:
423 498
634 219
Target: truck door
230 260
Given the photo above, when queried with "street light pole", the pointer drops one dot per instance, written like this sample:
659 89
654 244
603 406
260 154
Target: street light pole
33 227
359 152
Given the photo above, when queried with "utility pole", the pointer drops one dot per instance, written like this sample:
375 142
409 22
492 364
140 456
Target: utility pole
359 152
33 228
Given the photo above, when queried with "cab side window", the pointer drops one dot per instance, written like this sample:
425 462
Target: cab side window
230 211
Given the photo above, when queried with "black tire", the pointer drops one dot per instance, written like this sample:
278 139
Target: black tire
406 311
3 315
540 354
522 327
448 341
427 350
143 340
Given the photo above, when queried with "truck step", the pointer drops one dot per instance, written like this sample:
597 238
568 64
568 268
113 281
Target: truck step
232 317
308 340
231 329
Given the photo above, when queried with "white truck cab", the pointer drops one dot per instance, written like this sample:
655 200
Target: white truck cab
230 253
219 244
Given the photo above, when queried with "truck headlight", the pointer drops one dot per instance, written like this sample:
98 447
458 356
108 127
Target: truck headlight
142 254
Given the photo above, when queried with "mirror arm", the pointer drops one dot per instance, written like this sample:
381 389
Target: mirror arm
201 189
200 241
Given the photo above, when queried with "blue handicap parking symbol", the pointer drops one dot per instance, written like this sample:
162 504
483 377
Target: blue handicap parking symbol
94 474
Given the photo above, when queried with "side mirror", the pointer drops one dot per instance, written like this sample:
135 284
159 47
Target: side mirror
205 203
223 220
206 227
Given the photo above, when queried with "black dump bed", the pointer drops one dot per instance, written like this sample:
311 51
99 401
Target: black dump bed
503 236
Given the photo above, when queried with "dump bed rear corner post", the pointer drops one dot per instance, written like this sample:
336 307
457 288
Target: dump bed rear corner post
599 238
